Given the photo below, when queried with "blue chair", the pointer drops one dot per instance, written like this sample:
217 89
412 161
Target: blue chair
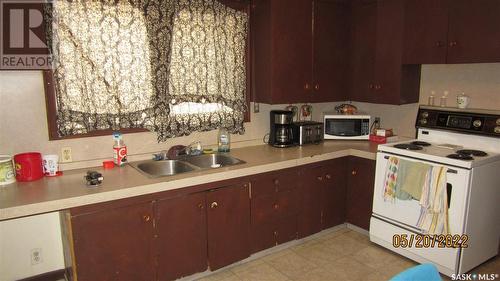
423 272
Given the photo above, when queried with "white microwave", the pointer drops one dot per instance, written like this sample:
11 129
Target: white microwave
346 127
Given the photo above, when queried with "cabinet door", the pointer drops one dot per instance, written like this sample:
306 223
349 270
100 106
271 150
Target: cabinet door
114 244
361 180
181 236
474 31
311 190
267 235
330 45
228 223
426 29
334 192
291 50
274 207
363 47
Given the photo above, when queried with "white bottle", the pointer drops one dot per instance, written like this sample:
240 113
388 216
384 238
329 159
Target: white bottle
223 140
442 100
119 150
430 101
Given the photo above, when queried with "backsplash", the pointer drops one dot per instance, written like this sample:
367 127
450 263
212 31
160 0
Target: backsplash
481 82
23 125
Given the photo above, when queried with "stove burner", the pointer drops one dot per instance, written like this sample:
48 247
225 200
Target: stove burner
407 146
460 156
472 152
420 143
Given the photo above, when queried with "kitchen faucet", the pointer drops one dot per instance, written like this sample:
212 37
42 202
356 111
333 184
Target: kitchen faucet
193 149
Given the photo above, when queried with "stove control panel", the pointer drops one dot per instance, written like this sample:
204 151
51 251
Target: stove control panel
469 122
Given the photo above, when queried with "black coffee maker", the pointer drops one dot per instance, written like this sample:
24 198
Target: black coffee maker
281 128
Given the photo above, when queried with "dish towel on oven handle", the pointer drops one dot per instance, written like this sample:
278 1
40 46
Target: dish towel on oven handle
433 198
434 202
396 177
390 179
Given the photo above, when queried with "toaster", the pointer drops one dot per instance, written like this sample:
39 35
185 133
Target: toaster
306 132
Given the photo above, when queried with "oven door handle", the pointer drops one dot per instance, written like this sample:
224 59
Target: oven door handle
450 171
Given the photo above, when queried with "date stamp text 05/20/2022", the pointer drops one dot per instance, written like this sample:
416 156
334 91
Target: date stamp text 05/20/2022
430 241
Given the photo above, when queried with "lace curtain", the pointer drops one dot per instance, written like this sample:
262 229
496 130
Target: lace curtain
171 66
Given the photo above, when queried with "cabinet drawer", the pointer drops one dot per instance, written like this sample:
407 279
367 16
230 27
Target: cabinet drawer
268 235
269 208
270 183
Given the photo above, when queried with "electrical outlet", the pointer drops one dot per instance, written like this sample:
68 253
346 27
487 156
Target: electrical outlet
256 107
36 256
66 155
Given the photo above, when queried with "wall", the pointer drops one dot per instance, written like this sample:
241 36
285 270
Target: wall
481 82
17 239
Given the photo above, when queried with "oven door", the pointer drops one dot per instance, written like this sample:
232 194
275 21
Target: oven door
346 128
405 213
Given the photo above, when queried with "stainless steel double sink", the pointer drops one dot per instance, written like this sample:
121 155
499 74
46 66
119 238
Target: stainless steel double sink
185 164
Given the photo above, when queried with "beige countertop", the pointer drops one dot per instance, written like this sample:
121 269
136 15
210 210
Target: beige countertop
69 190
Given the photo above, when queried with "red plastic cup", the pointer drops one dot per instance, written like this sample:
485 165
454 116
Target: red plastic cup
28 166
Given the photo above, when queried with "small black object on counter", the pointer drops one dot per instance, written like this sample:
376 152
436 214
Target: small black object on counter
93 178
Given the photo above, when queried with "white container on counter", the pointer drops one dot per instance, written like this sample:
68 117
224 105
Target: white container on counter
7 172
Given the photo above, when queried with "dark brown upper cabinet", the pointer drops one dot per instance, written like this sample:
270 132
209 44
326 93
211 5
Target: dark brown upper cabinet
458 31
300 50
377 71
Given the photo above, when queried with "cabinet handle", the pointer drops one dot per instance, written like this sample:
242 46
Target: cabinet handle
453 43
370 86
307 86
354 172
378 87
276 233
328 176
276 182
200 206
320 178
146 218
276 206
439 44
214 205
316 87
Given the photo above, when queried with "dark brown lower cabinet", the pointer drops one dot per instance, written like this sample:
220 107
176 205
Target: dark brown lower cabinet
181 240
156 237
228 217
311 188
323 188
334 193
361 178
274 208
114 244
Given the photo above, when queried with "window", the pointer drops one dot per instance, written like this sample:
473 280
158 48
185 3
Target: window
173 68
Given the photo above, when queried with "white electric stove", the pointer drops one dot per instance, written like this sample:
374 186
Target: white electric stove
467 144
